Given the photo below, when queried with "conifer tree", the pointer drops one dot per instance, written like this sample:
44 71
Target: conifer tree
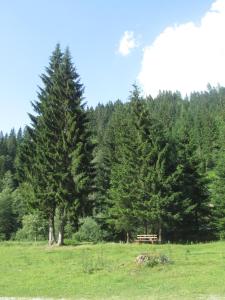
218 198
60 143
143 173
157 168
193 206
124 192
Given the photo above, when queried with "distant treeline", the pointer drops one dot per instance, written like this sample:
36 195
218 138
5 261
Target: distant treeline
145 166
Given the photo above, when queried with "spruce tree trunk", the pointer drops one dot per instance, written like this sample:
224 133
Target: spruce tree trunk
51 234
61 229
61 236
128 238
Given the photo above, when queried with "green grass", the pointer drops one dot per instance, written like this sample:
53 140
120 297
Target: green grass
109 271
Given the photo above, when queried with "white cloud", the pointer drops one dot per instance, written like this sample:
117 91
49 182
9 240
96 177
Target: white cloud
127 43
187 57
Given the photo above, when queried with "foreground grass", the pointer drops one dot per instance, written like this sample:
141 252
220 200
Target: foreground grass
109 271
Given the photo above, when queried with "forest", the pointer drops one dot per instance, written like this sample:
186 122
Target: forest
110 172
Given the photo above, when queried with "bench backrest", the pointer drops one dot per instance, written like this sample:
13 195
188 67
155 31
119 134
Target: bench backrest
147 236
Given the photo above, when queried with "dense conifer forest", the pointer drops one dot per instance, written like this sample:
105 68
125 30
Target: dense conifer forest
115 170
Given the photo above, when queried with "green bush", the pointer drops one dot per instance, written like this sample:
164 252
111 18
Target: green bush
34 228
89 231
68 231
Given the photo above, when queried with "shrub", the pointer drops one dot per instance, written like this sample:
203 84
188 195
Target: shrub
68 231
34 228
89 231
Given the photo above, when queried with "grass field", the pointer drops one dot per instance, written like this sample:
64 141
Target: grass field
109 271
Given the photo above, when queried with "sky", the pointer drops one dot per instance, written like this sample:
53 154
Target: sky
158 44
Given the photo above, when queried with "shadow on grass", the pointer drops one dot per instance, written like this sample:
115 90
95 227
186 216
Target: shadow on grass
68 242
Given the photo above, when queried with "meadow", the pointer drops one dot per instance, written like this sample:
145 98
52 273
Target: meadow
109 271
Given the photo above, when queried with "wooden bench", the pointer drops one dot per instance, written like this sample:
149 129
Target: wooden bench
151 238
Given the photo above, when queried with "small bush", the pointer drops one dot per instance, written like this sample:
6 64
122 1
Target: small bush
68 231
34 228
89 231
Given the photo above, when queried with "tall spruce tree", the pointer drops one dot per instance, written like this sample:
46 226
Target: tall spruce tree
158 169
144 171
192 208
60 143
124 182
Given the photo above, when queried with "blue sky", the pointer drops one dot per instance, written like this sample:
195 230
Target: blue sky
29 31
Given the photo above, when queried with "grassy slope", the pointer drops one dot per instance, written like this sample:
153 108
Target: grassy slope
109 271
